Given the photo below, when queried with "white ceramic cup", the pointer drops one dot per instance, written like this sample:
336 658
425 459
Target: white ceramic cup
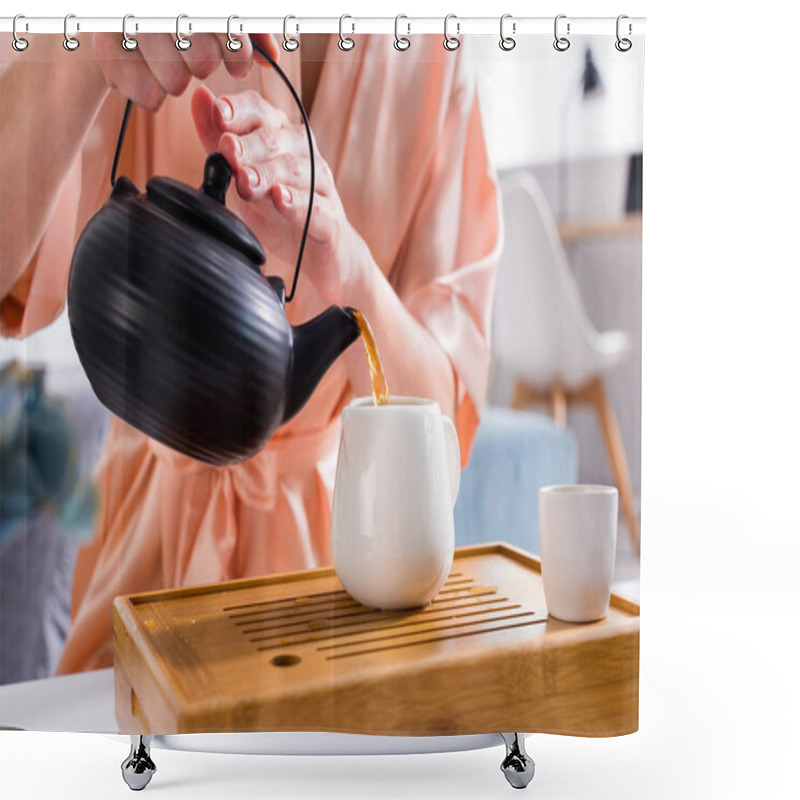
397 477
578 539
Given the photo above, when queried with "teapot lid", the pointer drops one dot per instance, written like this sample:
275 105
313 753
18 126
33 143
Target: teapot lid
204 208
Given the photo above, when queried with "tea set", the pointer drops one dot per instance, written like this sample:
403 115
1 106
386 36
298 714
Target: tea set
182 337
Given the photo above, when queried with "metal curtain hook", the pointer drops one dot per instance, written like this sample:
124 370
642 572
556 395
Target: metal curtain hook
401 42
70 42
18 43
181 42
345 42
561 43
128 42
290 43
623 44
233 44
451 42
507 42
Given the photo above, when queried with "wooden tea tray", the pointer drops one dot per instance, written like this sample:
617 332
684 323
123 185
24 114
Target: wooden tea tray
294 652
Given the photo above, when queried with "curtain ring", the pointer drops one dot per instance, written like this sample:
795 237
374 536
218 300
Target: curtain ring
128 42
623 44
451 42
181 42
507 42
290 43
233 44
561 43
345 42
18 43
401 42
70 42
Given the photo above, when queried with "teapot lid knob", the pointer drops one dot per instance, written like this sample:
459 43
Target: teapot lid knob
217 177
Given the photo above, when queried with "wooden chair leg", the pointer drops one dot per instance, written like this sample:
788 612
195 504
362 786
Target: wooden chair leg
519 397
525 395
559 405
616 455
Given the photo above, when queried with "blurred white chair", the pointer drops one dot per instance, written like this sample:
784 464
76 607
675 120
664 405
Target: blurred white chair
541 331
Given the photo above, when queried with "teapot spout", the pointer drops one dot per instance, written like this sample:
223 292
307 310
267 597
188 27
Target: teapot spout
316 345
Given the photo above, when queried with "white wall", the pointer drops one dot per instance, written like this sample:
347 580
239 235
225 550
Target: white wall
532 105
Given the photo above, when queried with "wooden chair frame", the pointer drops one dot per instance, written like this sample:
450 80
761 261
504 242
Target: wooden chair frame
592 393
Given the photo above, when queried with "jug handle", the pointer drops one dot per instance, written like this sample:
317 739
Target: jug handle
453 455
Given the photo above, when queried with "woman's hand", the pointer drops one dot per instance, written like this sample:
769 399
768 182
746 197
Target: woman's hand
270 161
157 68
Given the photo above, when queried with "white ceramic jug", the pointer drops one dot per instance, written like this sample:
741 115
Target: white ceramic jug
396 484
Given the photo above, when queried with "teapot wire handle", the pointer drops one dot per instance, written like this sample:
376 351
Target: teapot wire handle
120 139
264 54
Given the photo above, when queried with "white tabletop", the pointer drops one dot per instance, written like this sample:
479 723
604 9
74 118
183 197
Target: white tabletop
83 703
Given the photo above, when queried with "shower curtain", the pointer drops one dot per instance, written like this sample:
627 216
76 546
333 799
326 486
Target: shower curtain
482 206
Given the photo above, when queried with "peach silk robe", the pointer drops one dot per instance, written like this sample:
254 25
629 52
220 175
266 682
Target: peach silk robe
402 134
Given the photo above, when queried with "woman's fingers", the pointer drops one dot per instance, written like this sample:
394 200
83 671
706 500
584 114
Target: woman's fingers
127 72
269 43
292 204
165 62
237 62
204 56
244 112
263 144
157 68
255 181
209 50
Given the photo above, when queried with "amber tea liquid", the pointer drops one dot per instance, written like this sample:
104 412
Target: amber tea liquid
380 391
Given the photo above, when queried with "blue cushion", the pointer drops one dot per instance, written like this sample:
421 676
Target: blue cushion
515 454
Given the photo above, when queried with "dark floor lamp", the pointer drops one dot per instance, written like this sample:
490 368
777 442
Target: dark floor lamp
590 86
633 197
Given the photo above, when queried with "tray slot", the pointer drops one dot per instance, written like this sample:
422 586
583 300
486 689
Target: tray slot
287 640
288 602
304 603
255 617
435 629
433 639
365 616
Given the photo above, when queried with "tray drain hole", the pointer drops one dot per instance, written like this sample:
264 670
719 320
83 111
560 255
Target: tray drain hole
285 660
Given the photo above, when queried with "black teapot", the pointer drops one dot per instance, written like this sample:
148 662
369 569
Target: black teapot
177 330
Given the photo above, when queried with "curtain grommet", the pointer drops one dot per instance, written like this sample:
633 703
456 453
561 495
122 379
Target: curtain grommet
17 42
129 43
451 43
346 43
507 43
233 44
401 43
71 43
181 42
290 43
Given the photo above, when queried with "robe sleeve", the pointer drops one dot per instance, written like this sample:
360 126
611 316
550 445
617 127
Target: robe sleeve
39 295
453 250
